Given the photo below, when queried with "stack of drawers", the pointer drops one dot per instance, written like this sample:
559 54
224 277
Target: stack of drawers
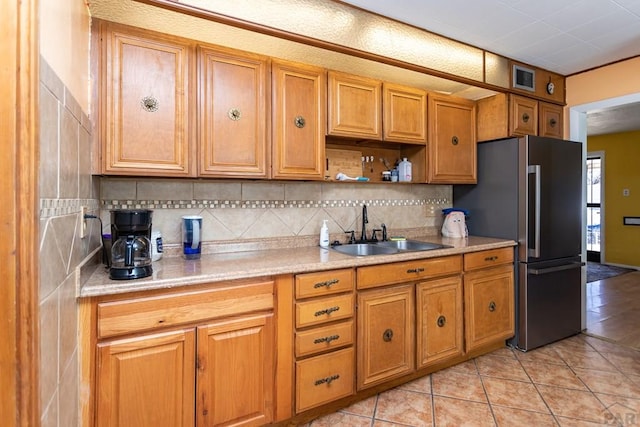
324 337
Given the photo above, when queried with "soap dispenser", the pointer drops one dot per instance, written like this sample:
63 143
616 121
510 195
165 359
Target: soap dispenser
324 234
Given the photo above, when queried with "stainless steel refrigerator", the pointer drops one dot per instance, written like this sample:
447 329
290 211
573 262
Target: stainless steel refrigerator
530 190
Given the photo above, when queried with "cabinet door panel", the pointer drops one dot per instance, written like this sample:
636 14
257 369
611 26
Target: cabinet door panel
355 105
235 383
523 118
439 320
550 120
299 121
147 381
405 114
452 141
232 114
385 334
489 305
146 122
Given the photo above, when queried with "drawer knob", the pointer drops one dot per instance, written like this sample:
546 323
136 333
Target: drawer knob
327 380
525 117
299 121
492 306
326 339
441 321
326 284
415 270
387 335
326 311
491 258
455 140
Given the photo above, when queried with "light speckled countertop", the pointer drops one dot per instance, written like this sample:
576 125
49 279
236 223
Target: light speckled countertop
175 271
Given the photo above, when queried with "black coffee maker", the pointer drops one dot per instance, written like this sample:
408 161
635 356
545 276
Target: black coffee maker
131 244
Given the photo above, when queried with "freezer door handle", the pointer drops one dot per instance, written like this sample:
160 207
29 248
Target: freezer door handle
535 251
539 271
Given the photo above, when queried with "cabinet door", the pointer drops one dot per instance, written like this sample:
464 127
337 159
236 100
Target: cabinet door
452 140
405 114
489 306
147 381
439 315
232 114
146 117
385 334
235 365
550 120
299 121
355 106
523 116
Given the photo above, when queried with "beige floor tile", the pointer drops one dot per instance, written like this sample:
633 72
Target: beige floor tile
365 408
627 361
504 352
380 423
405 407
614 383
468 367
587 360
341 419
548 374
577 404
501 367
514 394
455 412
544 354
572 422
507 417
457 385
421 385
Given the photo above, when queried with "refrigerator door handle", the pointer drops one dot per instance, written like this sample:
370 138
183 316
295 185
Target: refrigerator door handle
535 251
539 271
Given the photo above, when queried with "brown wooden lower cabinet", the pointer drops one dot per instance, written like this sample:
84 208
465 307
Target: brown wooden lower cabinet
147 380
385 334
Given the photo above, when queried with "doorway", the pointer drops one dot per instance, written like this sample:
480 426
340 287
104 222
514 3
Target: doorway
595 188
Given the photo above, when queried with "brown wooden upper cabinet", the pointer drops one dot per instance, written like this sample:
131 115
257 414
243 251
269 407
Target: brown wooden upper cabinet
452 140
299 120
405 114
505 115
145 103
233 95
354 106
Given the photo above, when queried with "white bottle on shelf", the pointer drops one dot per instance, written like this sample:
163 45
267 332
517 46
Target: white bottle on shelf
324 234
404 170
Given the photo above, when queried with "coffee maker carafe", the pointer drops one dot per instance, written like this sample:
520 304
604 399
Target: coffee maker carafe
131 244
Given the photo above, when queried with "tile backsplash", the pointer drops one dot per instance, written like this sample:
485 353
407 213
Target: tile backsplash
240 211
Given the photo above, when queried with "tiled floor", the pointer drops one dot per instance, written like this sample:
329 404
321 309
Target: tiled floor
613 309
580 381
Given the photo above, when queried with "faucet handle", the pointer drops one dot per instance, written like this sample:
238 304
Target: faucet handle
352 236
374 238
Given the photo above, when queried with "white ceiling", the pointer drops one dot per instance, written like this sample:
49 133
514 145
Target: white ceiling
564 36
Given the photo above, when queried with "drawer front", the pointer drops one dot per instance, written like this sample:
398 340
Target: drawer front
490 258
325 378
160 311
324 338
324 283
315 312
401 272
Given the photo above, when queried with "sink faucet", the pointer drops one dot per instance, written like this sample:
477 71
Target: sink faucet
365 220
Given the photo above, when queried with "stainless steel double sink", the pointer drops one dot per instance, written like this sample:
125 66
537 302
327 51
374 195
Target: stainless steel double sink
387 247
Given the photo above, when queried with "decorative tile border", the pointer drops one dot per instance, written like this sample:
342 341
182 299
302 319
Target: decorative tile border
59 207
262 204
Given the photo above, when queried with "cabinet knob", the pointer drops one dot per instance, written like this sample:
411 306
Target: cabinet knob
441 321
149 104
492 306
299 122
553 123
387 335
234 114
455 140
525 117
